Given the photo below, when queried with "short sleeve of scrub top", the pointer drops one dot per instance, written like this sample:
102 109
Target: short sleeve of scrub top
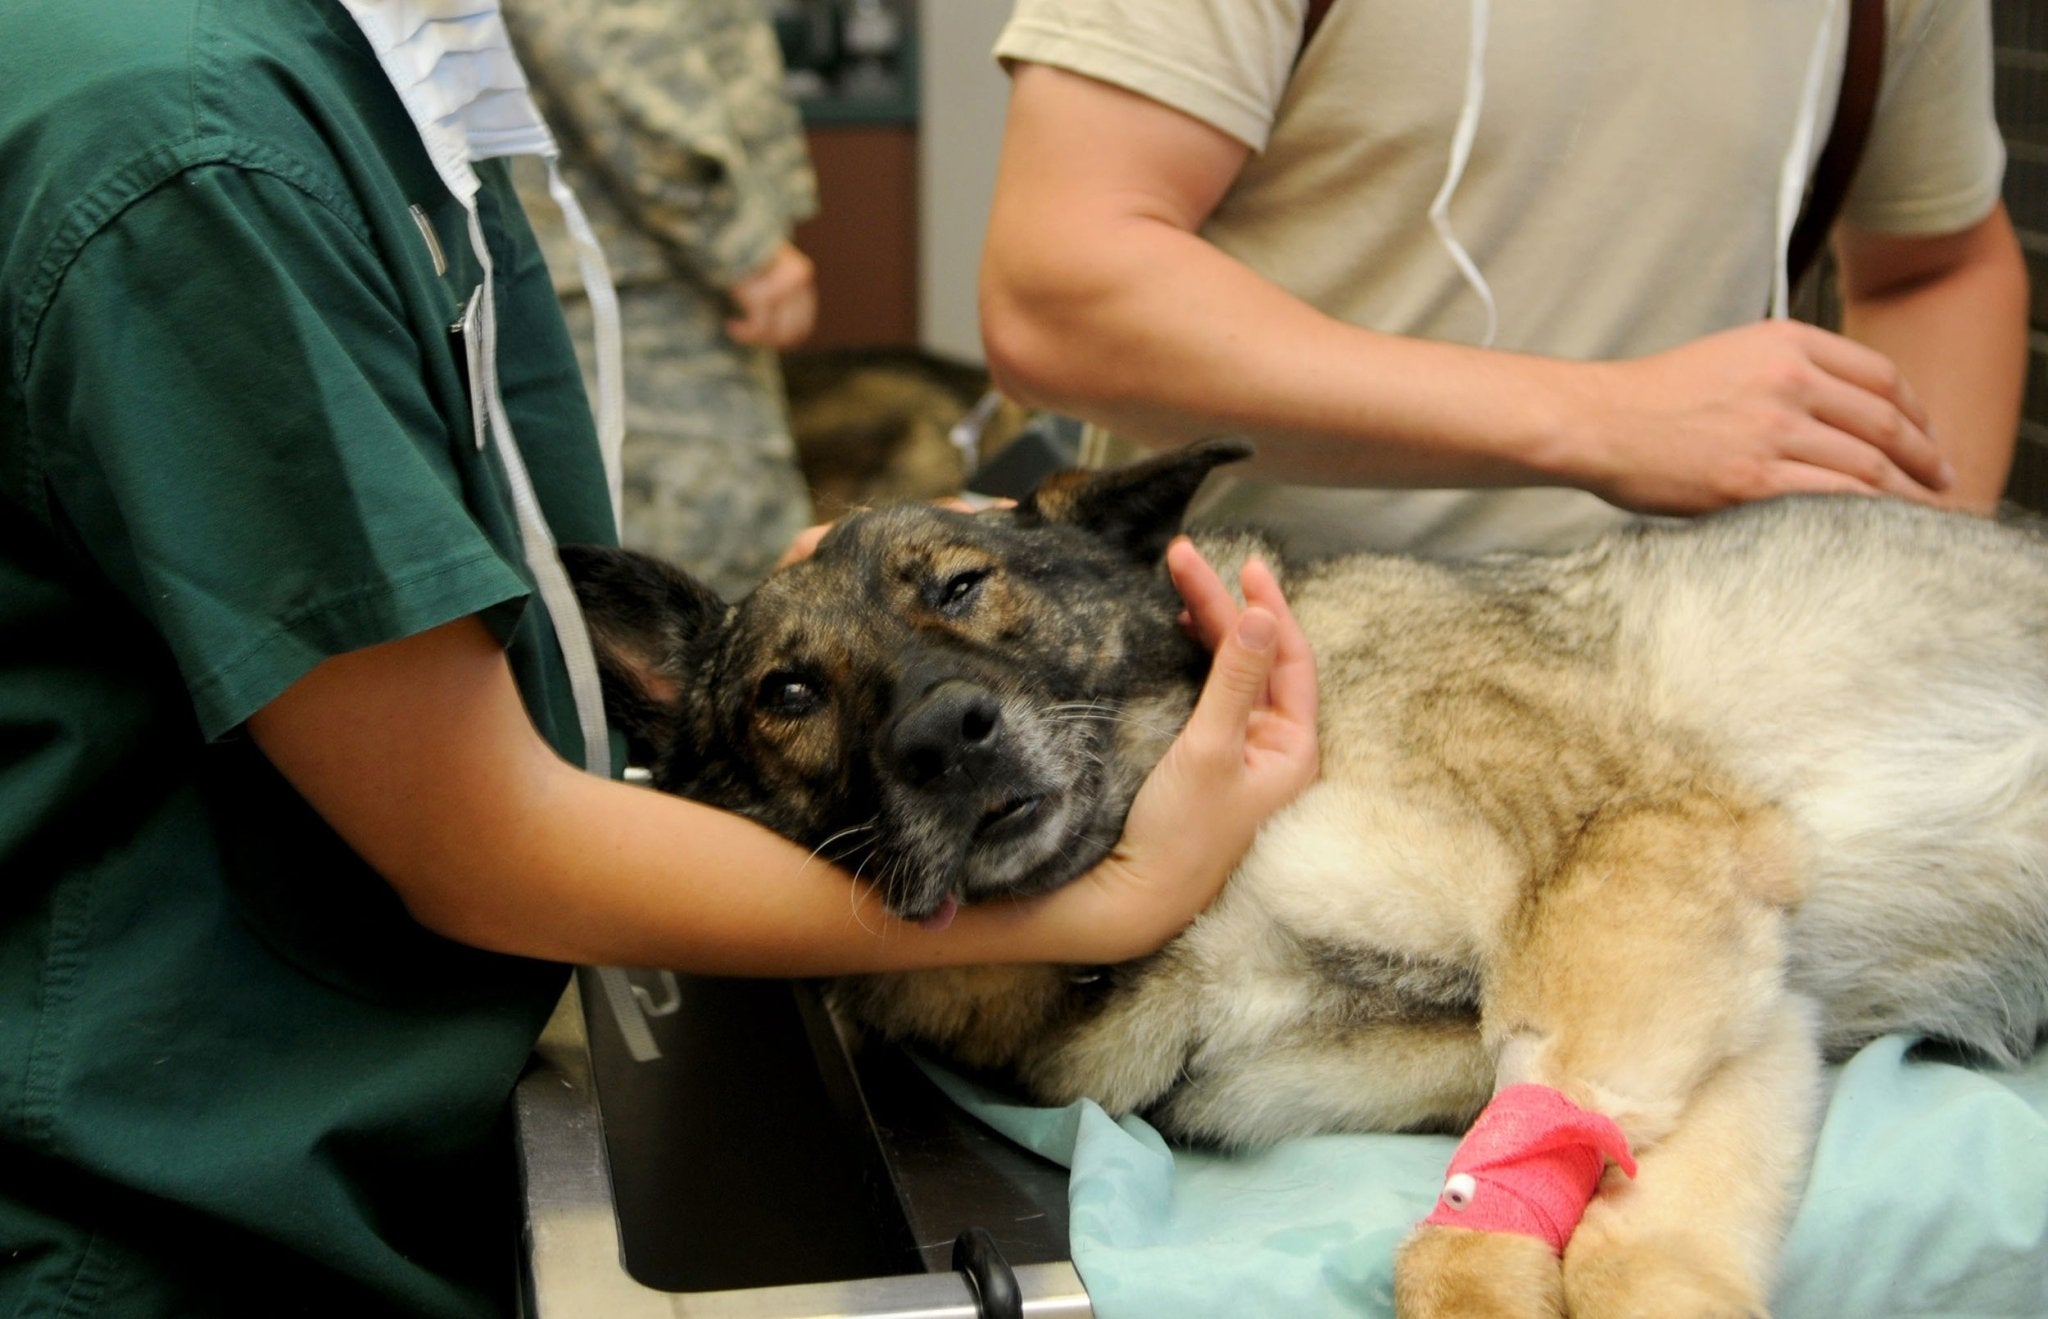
281 486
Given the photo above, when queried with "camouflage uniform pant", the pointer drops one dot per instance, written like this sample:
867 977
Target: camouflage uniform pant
711 479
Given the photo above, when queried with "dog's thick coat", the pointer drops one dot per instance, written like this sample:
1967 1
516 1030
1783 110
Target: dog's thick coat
1660 824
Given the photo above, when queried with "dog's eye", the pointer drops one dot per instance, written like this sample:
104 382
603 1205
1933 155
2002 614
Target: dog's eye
957 592
787 694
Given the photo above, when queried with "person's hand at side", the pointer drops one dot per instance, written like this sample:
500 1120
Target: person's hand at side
777 305
1248 749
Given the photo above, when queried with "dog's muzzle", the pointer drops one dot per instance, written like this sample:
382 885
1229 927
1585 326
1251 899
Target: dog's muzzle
951 747
949 738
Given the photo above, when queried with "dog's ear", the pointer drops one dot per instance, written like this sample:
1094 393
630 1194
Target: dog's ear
645 619
1136 508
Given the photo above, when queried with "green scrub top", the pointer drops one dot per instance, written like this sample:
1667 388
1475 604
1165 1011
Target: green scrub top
235 1076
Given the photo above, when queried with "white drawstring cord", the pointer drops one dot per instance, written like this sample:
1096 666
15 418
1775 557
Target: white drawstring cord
558 597
604 317
1461 151
538 544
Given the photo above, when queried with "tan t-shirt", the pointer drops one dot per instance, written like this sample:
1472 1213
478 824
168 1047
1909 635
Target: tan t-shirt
1620 197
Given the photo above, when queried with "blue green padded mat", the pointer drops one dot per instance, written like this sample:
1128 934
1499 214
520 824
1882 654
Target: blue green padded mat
1928 1197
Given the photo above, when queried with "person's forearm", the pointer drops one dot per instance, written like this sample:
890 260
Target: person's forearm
420 755
670 883
1159 336
1960 336
1174 339
586 870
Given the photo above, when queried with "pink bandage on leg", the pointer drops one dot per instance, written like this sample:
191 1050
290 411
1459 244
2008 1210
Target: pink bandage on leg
1529 1166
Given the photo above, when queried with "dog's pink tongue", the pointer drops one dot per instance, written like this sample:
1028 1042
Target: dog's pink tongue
943 917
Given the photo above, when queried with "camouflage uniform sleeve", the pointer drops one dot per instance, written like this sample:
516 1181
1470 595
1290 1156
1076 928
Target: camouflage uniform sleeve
676 109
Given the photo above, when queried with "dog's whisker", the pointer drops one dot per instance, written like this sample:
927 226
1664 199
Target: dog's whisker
1074 712
853 895
869 826
819 853
852 904
856 889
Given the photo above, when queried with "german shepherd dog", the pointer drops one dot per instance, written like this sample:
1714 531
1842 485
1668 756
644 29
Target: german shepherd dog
1661 824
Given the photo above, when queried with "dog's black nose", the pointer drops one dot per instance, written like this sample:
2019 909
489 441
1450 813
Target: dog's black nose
951 730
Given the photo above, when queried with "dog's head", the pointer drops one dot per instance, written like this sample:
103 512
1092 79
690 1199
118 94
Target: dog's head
953 705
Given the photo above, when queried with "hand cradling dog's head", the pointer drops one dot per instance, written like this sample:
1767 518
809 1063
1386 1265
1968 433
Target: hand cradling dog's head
955 706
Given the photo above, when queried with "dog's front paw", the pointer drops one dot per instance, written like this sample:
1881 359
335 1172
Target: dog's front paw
1457 1273
1655 1278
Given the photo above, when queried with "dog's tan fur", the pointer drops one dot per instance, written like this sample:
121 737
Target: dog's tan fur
1660 824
